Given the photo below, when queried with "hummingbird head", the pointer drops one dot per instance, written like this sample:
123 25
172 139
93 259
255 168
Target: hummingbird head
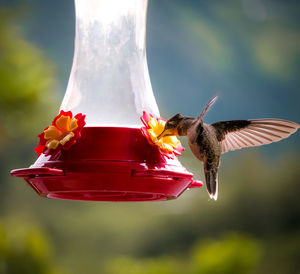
171 126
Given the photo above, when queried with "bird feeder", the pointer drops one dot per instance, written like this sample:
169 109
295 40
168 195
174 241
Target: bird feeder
97 149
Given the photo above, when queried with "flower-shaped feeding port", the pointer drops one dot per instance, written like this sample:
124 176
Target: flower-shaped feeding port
111 157
153 127
62 134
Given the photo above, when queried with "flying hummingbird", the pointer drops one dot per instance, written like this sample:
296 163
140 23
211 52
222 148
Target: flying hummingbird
208 142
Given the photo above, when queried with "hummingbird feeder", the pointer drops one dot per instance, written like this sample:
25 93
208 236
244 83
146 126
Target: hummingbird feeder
97 149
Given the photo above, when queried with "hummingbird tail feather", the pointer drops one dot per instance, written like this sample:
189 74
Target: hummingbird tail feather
214 196
211 178
208 106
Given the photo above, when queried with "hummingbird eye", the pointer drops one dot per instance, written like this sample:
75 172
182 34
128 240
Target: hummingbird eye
174 121
167 125
170 124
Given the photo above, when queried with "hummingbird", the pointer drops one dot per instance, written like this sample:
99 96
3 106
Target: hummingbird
209 141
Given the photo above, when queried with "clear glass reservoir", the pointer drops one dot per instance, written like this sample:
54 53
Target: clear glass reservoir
109 81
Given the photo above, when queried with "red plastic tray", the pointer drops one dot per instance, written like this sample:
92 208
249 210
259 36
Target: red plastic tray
109 164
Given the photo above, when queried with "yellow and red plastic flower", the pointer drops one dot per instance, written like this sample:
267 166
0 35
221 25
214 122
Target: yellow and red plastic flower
153 127
62 134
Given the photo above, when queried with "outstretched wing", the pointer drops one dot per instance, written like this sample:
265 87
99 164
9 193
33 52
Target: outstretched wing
238 134
207 107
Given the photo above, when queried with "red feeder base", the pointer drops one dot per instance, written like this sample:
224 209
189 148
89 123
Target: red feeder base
109 164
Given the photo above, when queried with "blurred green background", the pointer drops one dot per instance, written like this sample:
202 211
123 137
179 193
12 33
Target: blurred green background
248 52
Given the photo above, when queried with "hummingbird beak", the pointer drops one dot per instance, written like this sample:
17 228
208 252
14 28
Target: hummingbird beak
167 132
162 134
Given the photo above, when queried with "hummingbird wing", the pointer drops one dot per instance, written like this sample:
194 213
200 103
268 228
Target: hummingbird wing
207 107
238 134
